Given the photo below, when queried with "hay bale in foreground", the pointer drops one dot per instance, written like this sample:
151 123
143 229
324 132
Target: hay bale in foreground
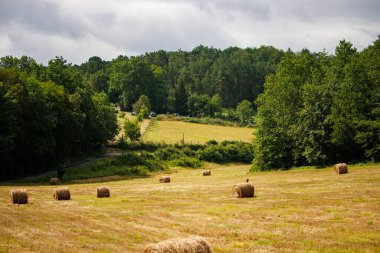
340 168
194 244
19 196
207 173
102 192
62 194
244 190
165 179
55 181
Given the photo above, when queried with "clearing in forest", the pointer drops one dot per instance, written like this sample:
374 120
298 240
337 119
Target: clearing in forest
174 132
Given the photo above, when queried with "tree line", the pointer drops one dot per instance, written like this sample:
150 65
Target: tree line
196 83
48 114
318 109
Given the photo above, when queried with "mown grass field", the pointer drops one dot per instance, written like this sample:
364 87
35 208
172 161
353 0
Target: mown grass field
302 210
172 132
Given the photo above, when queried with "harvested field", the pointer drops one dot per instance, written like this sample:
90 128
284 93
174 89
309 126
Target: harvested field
302 210
172 132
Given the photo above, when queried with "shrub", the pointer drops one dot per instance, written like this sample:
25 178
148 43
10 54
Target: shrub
132 130
130 164
169 153
61 169
186 161
227 151
147 146
212 142
188 151
143 100
211 154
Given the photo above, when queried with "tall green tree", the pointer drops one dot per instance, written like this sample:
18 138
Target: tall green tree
142 101
132 130
245 111
277 110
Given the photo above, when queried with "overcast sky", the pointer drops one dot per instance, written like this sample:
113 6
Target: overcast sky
79 29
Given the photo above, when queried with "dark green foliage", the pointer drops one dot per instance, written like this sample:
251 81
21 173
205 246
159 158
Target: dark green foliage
185 161
132 130
319 109
182 156
244 111
189 155
130 164
129 79
169 153
61 169
148 146
205 120
211 154
43 123
212 142
226 152
142 101
169 79
144 113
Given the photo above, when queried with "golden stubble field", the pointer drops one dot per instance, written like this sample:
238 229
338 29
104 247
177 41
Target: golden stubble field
172 132
304 210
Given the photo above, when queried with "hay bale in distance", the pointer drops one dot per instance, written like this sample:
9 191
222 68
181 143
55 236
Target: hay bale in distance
244 190
207 173
62 194
102 192
55 181
164 179
340 168
194 244
19 196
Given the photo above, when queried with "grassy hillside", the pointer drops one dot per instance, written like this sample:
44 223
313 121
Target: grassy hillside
310 210
172 132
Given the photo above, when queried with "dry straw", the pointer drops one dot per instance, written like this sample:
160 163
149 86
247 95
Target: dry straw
62 194
55 181
165 179
340 168
207 173
19 196
244 190
102 192
194 244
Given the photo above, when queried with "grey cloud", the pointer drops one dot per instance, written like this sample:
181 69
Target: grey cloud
41 16
80 29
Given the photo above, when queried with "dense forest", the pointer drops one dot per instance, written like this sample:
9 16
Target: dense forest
49 113
187 83
314 108
318 109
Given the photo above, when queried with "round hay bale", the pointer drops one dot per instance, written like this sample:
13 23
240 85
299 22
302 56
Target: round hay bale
102 192
194 244
19 196
165 179
55 181
207 173
244 190
62 194
340 168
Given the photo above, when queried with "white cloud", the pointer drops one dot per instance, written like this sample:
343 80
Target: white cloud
78 30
